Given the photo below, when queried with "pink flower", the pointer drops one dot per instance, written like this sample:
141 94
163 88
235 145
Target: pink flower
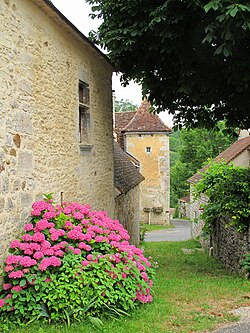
55 261
49 215
15 244
7 286
27 238
48 279
89 257
38 237
85 263
38 255
28 251
8 296
100 238
144 276
84 246
27 262
42 225
45 244
67 210
68 225
77 251
35 212
1 302
28 227
16 288
16 275
124 275
78 216
9 268
59 253
12 259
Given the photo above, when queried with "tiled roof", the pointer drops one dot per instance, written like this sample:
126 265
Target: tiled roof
145 121
127 176
227 155
121 121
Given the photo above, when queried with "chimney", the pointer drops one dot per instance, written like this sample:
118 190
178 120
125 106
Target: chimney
243 134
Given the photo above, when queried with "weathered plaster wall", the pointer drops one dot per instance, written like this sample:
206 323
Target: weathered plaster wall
154 166
127 211
243 159
41 64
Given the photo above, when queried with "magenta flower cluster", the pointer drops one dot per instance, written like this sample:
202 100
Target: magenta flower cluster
55 231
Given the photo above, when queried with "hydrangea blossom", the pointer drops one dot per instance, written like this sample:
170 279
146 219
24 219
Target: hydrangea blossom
57 231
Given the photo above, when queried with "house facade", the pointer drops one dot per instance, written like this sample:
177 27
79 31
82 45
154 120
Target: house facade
238 154
56 128
145 137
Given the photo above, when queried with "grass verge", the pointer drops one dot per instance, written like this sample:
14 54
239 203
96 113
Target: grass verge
152 227
193 293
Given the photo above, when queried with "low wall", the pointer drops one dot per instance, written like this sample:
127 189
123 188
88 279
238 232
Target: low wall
229 246
127 211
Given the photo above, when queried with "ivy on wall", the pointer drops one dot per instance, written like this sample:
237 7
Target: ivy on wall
228 190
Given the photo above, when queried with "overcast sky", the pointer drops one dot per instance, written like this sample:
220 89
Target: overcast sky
77 11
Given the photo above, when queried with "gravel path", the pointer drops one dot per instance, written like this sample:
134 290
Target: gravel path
243 326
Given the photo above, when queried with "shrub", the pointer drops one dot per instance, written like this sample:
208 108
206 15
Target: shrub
228 190
72 261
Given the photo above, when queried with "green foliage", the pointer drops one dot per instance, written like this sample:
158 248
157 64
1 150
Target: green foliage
72 264
189 56
194 292
228 190
194 148
246 264
125 105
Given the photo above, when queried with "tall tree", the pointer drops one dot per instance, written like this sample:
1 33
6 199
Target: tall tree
189 55
125 105
195 147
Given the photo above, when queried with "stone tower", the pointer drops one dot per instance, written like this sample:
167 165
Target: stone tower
145 137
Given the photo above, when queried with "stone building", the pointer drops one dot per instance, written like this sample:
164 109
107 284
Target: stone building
56 128
145 138
127 200
184 206
238 154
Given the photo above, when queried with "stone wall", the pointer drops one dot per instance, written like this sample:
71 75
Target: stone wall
229 246
195 210
127 211
41 64
154 166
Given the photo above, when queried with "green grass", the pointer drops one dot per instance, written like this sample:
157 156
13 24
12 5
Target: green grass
193 293
152 227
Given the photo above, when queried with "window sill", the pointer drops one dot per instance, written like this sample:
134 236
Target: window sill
85 149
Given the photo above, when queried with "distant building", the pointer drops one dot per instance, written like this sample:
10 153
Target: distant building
184 206
146 139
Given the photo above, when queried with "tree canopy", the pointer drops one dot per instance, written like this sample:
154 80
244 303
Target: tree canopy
190 56
125 105
192 148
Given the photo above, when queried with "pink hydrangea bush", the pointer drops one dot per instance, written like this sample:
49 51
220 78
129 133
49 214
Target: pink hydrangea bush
70 258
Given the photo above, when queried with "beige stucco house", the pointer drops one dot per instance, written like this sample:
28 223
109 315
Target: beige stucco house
238 154
56 128
146 139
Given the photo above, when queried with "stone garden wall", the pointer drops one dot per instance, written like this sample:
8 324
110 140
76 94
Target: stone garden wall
229 246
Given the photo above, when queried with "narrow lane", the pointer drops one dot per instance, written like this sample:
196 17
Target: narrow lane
180 232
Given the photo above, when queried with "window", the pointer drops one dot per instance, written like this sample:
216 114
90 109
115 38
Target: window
148 150
84 115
